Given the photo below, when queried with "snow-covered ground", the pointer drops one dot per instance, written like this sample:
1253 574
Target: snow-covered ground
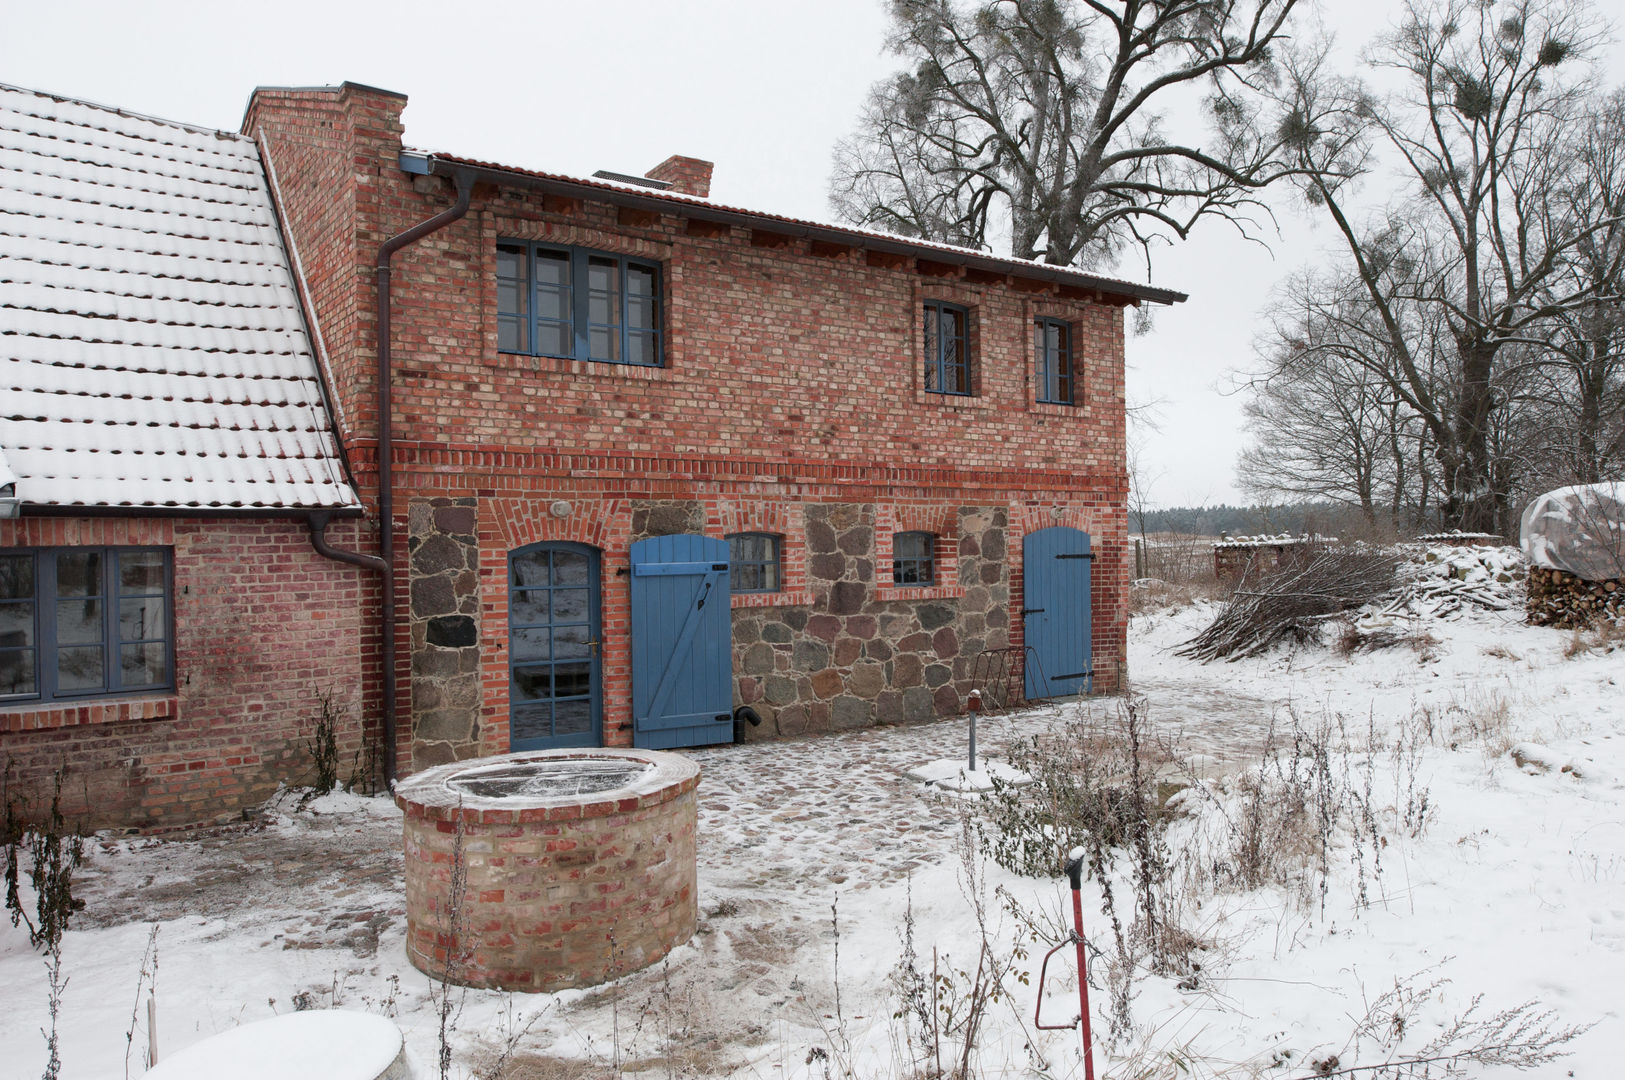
817 856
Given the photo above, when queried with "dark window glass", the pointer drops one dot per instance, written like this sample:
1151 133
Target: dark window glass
1052 346
914 558
83 621
753 562
575 303
947 360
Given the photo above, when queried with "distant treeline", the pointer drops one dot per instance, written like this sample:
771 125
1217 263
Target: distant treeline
1328 519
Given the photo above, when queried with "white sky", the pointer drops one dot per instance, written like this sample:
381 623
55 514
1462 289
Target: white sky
762 89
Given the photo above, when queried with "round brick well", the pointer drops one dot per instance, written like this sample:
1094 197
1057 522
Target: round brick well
579 866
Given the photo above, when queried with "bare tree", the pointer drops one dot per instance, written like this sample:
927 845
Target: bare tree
1483 131
1040 117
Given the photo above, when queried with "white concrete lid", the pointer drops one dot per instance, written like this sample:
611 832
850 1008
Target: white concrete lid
334 1044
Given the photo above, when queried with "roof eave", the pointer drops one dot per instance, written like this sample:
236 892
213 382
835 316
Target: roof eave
295 512
421 164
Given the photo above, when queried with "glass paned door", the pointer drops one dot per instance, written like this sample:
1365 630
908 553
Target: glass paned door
553 647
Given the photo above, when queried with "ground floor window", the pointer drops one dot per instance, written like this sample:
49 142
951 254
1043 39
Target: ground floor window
753 562
914 559
84 621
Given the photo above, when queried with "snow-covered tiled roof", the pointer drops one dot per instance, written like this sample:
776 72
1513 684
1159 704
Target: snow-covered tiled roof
152 349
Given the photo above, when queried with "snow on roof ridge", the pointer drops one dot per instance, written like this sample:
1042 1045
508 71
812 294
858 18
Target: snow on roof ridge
196 129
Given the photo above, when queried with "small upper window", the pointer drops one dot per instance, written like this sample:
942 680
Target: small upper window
753 563
576 303
1052 347
914 559
79 622
947 348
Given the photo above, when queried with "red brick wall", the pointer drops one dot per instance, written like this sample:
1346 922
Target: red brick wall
793 375
263 626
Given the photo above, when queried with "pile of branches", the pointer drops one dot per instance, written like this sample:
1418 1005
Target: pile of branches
1294 603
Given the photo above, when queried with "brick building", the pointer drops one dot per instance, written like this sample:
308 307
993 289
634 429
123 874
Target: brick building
614 402
167 627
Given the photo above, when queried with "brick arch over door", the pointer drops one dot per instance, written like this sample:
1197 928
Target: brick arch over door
509 523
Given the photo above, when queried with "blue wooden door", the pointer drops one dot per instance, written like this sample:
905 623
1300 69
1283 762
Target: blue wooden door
1055 609
553 650
682 642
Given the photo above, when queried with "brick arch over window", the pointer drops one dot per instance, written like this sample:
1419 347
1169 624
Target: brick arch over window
940 521
509 523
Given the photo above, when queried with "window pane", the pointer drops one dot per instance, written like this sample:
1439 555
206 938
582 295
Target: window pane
17 672
532 643
640 313
141 665
510 334
553 268
553 339
530 721
748 577
572 717
640 281
571 680
570 643
142 619
16 624
603 345
141 572
530 568
78 622
79 573
750 547
509 296
528 608
553 304
642 347
532 683
570 568
569 605
79 668
16 577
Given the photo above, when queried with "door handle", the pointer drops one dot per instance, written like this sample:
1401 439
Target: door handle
593 645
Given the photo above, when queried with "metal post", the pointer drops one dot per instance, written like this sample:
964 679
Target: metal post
1074 871
974 704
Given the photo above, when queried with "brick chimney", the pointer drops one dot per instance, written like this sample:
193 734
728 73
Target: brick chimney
687 175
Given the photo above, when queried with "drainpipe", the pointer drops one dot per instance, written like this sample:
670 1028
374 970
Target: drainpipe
318 522
386 474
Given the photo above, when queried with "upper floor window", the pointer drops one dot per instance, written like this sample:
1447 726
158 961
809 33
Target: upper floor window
914 560
79 622
1052 348
578 304
947 348
753 563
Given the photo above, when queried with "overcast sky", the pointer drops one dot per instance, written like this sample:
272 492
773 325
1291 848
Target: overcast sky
764 89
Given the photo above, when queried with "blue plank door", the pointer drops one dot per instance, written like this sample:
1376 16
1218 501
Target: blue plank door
554 697
1055 608
682 643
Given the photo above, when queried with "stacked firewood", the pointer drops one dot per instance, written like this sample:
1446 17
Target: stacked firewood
1558 598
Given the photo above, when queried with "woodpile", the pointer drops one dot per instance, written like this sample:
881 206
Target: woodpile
1559 598
1294 603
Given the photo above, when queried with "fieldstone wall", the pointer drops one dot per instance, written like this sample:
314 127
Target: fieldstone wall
855 657
443 560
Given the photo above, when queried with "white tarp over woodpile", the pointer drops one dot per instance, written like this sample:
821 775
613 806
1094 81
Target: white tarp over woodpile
1578 529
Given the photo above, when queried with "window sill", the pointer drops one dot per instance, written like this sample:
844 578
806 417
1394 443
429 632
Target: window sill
955 402
786 598
51 715
1053 408
919 592
564 365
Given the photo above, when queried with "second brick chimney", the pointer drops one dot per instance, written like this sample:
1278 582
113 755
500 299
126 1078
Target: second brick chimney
687 175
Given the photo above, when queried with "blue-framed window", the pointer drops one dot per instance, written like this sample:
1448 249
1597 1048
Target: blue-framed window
1052 348
753 563
85 621
577 303
914 558
947 348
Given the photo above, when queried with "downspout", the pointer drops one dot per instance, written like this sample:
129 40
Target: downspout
318 522
386 473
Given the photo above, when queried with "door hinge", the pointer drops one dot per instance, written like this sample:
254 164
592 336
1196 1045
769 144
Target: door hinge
1078 555
1026 611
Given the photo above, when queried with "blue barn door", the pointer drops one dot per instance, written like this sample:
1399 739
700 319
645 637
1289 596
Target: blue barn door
553 654
1055 608
682 643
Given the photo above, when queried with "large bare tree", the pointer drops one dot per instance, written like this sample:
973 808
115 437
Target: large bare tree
1482 127
1037 125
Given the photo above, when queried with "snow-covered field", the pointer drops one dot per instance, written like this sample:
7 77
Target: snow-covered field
1510 885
